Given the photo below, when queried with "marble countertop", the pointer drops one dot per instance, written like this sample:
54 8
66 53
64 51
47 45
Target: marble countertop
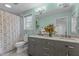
73 40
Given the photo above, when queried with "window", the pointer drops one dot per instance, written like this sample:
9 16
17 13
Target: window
28 22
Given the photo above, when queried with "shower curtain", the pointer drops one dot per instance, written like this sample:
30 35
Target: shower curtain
9 31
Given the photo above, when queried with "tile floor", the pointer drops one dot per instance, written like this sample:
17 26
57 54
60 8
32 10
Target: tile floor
14 53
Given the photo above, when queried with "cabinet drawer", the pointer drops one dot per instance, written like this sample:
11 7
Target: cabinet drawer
41 42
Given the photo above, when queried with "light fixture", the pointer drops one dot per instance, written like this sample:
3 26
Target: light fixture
40 10
8 6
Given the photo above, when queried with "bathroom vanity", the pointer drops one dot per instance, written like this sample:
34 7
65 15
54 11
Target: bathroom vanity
53 46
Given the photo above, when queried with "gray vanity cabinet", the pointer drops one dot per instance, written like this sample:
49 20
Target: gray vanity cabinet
47 47
40 47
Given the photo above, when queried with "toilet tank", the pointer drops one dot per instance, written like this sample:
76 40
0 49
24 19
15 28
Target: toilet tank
26 37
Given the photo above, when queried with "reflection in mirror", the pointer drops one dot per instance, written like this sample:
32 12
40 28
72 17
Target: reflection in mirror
74 24
61 26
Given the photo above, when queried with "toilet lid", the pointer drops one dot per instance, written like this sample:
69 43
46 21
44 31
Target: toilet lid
20 43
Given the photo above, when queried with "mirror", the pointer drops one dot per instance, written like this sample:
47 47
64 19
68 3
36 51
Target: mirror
61 25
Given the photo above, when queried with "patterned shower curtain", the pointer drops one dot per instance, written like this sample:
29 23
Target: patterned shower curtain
9 31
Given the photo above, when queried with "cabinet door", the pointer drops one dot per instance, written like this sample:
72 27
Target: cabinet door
60 49
73 49
51 45
32 46
32 50
42 47
38 47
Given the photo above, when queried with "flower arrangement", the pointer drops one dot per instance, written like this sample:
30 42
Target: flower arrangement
50 29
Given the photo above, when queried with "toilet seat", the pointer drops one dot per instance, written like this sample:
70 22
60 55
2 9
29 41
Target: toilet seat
20 43
22 46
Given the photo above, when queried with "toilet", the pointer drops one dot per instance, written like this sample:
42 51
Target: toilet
21 45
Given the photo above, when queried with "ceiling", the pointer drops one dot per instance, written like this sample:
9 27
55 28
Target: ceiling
18 8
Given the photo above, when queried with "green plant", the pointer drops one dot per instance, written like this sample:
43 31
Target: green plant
37 25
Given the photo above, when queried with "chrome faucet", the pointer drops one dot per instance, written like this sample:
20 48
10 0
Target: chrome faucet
66 34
